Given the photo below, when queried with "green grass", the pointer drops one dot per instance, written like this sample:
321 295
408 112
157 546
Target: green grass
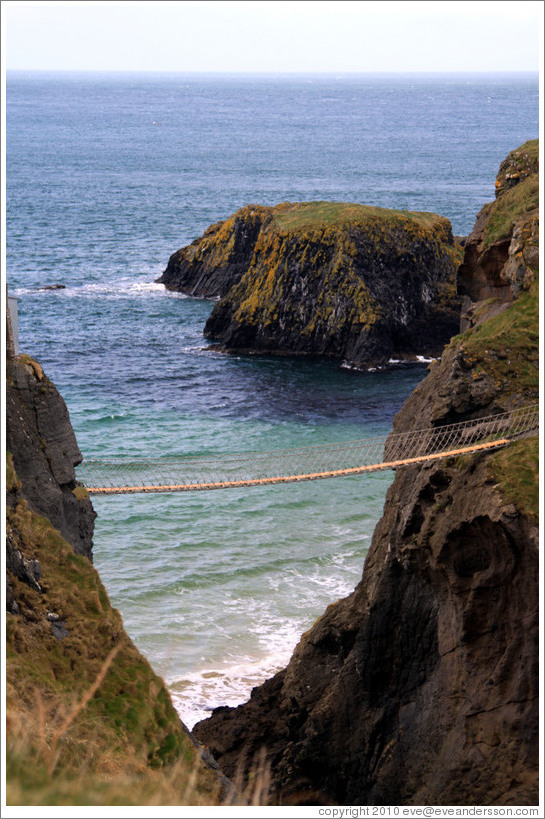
512 204
328 214
506 347
125 731
531 149
515 469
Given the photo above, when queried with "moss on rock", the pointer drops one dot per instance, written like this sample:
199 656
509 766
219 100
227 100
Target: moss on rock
519 164
348 281
515 469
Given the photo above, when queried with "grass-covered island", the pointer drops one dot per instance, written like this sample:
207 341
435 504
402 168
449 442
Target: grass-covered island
355 283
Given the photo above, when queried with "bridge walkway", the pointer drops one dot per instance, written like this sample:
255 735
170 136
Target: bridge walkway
247 469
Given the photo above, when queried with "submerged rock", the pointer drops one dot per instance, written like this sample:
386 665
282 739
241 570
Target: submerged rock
355 283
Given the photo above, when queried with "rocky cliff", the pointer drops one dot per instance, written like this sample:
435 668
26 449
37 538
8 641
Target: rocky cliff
421 687
88 721
502 253
355 283
45 451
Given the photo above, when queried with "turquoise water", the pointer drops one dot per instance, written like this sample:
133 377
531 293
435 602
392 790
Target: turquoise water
107 175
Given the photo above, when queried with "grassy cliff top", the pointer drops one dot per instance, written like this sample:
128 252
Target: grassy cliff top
517 192
503 213
530 149
519 163
292 216
506 347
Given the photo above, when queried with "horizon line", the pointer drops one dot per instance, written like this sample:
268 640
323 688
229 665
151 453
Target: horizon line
264 72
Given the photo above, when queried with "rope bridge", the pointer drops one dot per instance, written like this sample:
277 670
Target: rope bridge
185 474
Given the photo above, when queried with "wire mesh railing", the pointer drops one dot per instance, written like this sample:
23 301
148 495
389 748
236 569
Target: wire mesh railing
190 473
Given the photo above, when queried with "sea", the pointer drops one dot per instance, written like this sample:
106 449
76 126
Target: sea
107 175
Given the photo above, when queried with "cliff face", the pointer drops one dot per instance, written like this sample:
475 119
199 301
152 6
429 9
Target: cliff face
501 256
80 697
41 439
421 687
355 283
212 264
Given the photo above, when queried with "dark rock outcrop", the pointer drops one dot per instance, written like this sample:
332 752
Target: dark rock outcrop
216 261
422 686
355 283
40 437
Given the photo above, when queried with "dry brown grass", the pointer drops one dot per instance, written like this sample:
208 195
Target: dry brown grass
87 720
55 756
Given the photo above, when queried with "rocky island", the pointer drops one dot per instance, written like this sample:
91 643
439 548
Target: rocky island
421 687
359 284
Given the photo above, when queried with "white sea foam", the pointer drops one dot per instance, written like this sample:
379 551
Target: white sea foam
347 366
114 288
230 682
196 694
119 288
391 361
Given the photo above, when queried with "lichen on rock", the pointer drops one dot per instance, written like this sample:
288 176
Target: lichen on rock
352 282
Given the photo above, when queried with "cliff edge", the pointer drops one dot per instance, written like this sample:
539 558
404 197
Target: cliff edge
356 283
421 687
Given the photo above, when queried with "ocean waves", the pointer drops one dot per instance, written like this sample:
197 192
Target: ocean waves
122 288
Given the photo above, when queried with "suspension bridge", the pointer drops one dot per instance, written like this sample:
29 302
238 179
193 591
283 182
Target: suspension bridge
244 469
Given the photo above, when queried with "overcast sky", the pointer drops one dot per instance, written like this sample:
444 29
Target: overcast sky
275 36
